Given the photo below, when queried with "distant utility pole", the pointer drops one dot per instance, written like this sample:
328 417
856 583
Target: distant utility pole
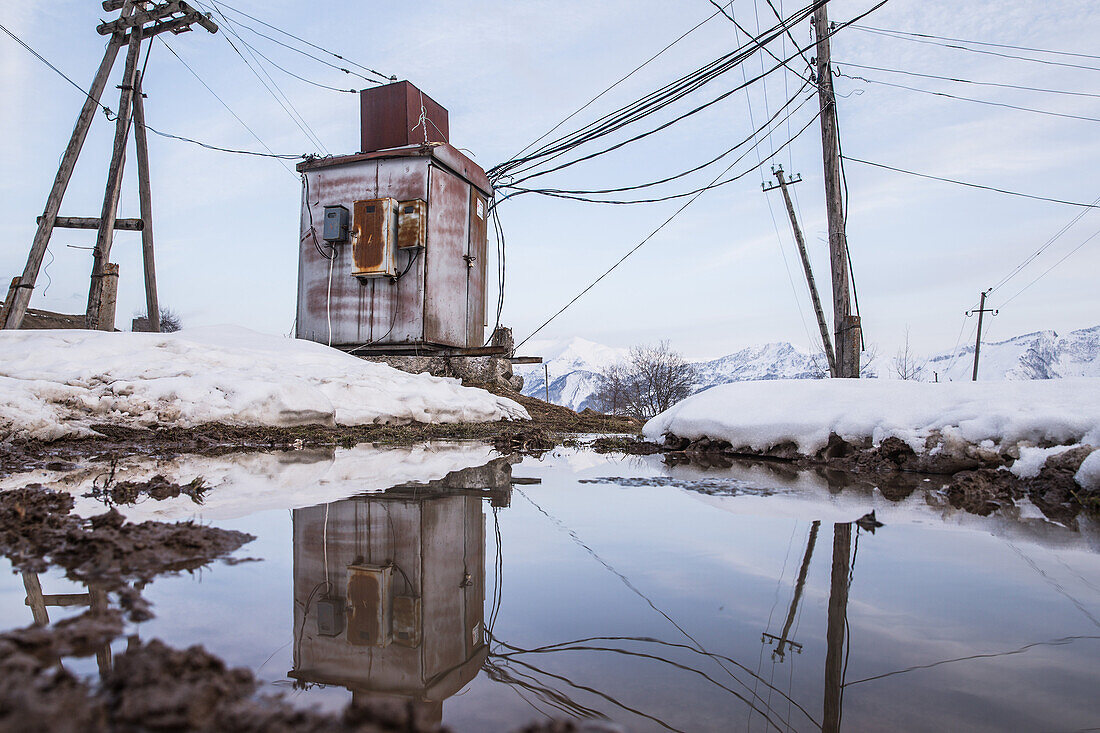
138 21
981 311
826 342
846 327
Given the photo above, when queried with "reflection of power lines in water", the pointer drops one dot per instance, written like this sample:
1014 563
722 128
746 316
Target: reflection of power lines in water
583 645
990 655
697 647
1053 583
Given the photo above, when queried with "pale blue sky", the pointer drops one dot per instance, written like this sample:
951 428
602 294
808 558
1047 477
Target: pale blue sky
713 281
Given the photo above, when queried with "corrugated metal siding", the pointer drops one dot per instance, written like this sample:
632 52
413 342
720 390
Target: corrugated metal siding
362 310
475 281
445 287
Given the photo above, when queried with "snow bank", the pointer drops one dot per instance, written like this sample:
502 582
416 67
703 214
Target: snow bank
56 384
761 415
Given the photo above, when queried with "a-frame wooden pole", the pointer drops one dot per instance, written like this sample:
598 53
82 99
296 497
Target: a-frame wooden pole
152 305
13 317
102 252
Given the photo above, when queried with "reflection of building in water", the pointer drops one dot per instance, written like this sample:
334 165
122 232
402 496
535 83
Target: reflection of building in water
389 589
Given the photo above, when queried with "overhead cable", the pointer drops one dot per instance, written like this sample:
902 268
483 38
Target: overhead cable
220 100
904 37
1000 85
974 185
652 102
111 115
977 43
647 105
335 55
635 70
1004 105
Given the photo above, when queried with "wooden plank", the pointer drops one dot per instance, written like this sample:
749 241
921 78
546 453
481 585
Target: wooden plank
14 315
102 253
92 222
152 304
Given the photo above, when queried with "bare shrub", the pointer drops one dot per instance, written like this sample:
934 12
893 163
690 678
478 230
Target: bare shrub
651 380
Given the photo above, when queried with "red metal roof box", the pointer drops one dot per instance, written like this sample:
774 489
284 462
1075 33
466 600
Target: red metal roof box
390 117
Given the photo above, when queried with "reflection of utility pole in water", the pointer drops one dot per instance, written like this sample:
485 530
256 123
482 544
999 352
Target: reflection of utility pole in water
95 599
783 639
834 635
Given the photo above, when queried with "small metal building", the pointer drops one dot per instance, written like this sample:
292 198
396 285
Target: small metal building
393 240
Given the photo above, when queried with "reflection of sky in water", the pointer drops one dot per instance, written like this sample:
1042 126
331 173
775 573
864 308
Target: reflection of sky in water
711 572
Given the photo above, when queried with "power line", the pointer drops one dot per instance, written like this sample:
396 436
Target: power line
637 110
973 185
111 115
622 259
298 120
636 69
671 197
379 74
658 100
969 81
970 99
1045 272
1046 245
899 36
221 101
976 43
682 174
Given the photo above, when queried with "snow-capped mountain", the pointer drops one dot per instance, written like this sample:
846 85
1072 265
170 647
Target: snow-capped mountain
574 364
1039 355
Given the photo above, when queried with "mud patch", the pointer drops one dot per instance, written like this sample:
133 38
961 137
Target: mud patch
151 686
38 529
710 487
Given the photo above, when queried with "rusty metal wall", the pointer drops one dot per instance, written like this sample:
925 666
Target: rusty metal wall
362 310
441 298
475 281
445 284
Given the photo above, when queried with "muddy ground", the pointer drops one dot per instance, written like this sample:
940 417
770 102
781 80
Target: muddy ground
975 479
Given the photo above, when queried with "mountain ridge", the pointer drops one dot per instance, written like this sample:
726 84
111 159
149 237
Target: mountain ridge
574 364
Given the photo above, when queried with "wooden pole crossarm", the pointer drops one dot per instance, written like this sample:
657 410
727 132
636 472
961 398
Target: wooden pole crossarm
179 25
162 17
92 222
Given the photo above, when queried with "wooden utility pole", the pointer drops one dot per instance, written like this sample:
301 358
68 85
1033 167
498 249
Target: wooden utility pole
784 639
139 20
834 634
102 252
141 143
981 311
826 342
846 327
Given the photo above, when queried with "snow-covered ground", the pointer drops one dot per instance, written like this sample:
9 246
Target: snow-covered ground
56 384
761 415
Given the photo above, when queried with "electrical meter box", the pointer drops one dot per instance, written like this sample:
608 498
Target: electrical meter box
406 621
330 616
370 605
412 224
335 228
374 233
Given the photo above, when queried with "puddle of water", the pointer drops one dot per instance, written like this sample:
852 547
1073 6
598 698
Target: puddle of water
580 585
